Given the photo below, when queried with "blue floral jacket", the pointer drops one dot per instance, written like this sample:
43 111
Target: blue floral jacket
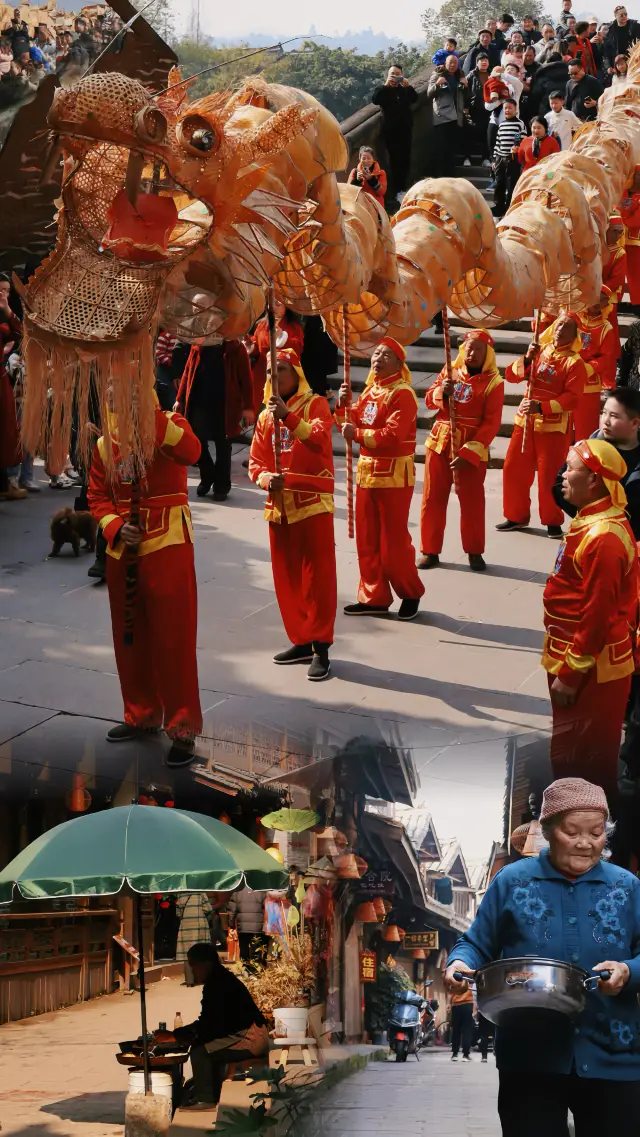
532 909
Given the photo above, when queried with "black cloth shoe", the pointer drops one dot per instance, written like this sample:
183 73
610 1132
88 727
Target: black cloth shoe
124 732
477 562
320 664
364 610
203 489
220 495
408 609
299 653
98 570
555 532
182 752
508 526
429 560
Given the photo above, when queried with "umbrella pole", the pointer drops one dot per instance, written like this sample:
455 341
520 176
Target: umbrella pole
143 1000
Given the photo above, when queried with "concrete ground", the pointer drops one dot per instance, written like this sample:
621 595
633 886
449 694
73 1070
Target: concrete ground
464 675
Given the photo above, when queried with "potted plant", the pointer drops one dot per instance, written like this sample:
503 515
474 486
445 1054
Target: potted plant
282 985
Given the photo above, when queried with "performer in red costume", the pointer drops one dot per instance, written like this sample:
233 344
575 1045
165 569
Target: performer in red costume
299 510
599 353
383 422
590 605
630 213
558 380
477 391
614 271
158 670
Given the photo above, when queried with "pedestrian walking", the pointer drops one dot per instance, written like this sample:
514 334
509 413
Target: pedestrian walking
461 1009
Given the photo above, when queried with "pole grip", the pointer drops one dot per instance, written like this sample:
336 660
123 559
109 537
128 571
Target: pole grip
271 320
346 351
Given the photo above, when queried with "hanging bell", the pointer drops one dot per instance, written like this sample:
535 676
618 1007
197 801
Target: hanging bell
347 867
331 842
419 953
366 913
392 934
378 904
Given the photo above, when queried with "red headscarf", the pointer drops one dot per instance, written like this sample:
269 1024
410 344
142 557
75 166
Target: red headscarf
395 347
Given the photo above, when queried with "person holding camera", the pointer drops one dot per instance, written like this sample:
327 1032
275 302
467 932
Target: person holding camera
395 99
448 91
368 175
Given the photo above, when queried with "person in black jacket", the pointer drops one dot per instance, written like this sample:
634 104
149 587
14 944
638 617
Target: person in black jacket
552 76
619 425
482 46
478 142
230 1027
395 99
583 92
319 357
621 36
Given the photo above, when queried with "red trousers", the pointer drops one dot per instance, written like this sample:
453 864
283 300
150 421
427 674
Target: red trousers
586 737
303 558
544 454
386 555
633 273
586 417
438 479
159 672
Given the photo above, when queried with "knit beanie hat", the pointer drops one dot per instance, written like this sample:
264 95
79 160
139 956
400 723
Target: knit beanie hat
570 794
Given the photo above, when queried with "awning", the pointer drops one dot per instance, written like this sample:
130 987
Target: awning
228 780
389 842
364 766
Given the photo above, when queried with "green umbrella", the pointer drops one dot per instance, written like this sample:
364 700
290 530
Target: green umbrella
147 849
151 849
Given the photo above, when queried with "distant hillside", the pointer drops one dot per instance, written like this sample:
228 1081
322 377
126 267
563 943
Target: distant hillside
366 42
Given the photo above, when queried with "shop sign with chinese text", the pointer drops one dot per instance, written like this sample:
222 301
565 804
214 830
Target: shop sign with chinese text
428 940
368 967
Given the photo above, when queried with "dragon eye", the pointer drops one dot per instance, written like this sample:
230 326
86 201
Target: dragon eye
197 135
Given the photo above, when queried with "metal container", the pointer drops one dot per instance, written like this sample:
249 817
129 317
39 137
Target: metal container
510 986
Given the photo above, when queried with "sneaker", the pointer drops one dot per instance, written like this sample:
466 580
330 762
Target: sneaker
408 609
467 1058
486 163
182 753
484 1058
556 532
477 562
98 570
203 489
509 526
454 1058
125 732
59 482
491 185
429 560
320 664
467 162
299 653
364 610
30 486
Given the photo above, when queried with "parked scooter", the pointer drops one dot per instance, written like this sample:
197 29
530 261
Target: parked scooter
406 1029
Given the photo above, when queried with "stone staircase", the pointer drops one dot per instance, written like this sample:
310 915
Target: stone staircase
425 357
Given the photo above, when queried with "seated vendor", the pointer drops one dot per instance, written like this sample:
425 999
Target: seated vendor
230 1027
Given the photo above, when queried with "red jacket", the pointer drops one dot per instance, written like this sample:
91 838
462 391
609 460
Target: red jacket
385 417
591 598
238 391
307 459
630 214
614 274
165 518
599 351
477 408
560 379
527 158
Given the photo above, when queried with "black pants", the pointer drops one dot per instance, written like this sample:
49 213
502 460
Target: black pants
475 140
397 139
462 1028
209 1071
447 141
630 751
507 172
532 1104
218 473
492 132
485 1032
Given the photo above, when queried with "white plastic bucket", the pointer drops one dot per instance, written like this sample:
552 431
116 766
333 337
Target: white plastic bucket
161 1084
291 1021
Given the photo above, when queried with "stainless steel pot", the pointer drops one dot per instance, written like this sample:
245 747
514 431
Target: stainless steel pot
509 986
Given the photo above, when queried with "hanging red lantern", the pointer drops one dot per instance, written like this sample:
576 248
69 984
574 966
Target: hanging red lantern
169 804
79 799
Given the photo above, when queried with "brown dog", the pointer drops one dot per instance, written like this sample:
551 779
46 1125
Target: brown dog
69 527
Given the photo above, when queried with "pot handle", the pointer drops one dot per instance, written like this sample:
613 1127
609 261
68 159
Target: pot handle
461 976
591 983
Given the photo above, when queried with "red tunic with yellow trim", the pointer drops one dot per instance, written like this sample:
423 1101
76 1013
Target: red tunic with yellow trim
598 351
630 213
559 381
385 417
478 403
307 460
165 518
591 598
614 274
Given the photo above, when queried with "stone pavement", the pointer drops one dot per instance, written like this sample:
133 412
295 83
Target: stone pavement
434 1096
462 676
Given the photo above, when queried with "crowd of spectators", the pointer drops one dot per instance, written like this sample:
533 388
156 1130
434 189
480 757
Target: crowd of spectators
519 93
29 53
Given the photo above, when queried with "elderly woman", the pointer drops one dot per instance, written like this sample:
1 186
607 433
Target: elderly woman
566 904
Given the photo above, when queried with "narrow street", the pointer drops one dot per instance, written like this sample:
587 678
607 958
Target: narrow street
433 1096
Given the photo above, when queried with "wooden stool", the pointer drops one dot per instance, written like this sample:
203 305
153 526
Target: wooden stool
295 1050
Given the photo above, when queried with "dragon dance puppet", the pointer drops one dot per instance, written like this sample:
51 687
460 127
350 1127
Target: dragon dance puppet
180 214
